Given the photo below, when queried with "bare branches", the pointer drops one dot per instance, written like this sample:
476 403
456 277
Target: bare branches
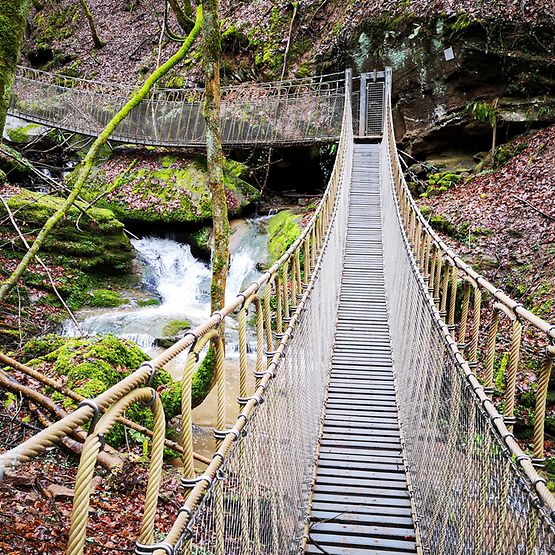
88 161
39 260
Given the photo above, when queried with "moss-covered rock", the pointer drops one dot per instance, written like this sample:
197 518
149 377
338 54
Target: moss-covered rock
51 27
175 327
283 231
12 162
25 134
201 241
104 298
98 245
149 302
155 187
89 366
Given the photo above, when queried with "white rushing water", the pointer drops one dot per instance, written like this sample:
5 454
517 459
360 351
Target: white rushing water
181 282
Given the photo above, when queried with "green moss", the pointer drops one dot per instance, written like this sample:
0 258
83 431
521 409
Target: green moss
283 231
11 161
550 471
51 27
41 346
462 22
440 182
203 378
500 371
92 365
148 302
23 135
202 240
506 152
99 245
426 211
104 298
175 327
167 188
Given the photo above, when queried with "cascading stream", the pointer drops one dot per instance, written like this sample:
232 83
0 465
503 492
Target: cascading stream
182 284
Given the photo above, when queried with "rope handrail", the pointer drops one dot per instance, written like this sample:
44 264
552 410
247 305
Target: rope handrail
292 287
26 72
439 271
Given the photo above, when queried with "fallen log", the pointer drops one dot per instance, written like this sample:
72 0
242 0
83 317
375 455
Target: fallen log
107 460
57 386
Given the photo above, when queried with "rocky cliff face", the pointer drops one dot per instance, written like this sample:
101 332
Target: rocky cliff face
502 49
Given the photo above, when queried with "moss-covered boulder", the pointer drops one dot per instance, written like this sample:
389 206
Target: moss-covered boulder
13 163
172 332
283 231
98 245
104 298
156 187
89 366
26 133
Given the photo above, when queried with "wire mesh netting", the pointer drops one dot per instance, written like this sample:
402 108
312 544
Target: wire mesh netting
299 111
469 495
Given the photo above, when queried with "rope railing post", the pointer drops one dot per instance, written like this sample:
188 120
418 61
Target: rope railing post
490 350
465 307
541 398
514 359
453 298
476 317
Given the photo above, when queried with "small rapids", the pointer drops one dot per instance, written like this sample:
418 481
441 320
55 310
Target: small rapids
181 282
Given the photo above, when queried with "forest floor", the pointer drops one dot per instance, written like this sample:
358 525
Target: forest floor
502 222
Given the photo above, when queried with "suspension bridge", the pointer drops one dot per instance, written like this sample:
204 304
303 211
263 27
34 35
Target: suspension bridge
370 427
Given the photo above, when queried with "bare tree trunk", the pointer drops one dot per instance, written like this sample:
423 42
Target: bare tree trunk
495 114
205 374
87 162
98 43
183 13
284 68
214 153
13 18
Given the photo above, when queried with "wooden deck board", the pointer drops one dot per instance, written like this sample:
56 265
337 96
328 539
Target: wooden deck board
360 503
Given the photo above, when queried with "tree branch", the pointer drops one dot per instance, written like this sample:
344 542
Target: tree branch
87 163
39 260
544 214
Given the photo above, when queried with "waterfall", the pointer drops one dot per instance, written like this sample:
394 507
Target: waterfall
173 273
182 283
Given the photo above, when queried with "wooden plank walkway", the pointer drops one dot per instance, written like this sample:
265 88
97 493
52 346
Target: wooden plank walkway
360 504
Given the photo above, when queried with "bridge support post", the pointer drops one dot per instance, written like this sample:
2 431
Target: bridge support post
349 82
363 105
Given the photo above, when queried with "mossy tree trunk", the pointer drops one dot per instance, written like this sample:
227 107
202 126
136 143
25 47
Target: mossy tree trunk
87 162
203 379
214 153
13 19
98 43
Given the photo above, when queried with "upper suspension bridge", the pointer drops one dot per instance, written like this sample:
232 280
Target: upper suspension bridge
279 113
367 430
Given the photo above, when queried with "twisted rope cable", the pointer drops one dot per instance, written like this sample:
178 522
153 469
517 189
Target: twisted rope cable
490 349
514 358
464 313
476 315
83 482
541 399
453 299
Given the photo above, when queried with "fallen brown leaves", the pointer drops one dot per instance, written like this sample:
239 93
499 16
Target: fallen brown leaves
511 217
36 504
